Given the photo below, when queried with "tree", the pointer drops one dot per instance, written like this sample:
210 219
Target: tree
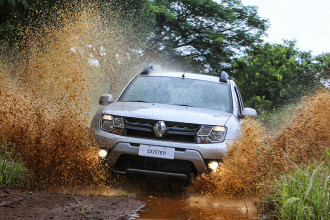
16 14
323 68
273 74
208 32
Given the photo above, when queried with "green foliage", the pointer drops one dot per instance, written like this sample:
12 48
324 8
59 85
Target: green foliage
137 15
323 67
304 193
16 15
12 171
271 75
208 31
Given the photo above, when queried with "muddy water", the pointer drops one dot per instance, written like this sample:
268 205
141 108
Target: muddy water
197 208
170 200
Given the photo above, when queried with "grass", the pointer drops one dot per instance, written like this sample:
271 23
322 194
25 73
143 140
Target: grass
13 173
83 208
276 119
304 193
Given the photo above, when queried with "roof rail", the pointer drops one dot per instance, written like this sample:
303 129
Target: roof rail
147 70
224 77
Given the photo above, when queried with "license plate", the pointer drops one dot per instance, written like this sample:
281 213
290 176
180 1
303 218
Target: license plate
158 152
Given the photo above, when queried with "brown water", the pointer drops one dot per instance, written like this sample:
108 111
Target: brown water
49 90
197 208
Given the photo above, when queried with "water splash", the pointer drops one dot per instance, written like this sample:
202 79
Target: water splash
256 158
308 135
49 88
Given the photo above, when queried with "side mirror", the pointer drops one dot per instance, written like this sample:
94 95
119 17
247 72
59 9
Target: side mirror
105 99
249 112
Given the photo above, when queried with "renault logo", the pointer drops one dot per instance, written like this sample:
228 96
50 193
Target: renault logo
160 128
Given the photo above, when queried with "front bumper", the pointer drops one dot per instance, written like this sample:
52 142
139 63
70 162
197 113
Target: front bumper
120 147
187 155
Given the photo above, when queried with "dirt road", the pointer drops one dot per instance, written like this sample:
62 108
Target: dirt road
25 204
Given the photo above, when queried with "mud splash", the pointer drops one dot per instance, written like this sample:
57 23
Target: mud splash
256 158
48 89
308 135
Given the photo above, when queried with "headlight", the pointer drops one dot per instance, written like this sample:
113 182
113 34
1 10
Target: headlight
210 134
112 124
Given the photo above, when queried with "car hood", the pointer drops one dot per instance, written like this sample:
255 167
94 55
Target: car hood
166 112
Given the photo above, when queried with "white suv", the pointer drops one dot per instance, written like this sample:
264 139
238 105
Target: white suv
169 123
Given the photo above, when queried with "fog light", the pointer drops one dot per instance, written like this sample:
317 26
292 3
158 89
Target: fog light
103 153
213 165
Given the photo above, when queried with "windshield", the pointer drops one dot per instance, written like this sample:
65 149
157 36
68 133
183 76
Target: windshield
178 91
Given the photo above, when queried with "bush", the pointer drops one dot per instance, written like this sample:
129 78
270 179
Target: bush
12 171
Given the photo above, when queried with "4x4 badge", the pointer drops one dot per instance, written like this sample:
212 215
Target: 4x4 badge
160 128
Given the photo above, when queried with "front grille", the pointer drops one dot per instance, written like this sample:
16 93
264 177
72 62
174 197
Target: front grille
143 128
126 161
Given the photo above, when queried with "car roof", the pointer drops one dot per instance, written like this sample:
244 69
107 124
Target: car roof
186 75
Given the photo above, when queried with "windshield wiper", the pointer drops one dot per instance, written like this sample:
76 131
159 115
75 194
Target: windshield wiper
185 105
137 101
